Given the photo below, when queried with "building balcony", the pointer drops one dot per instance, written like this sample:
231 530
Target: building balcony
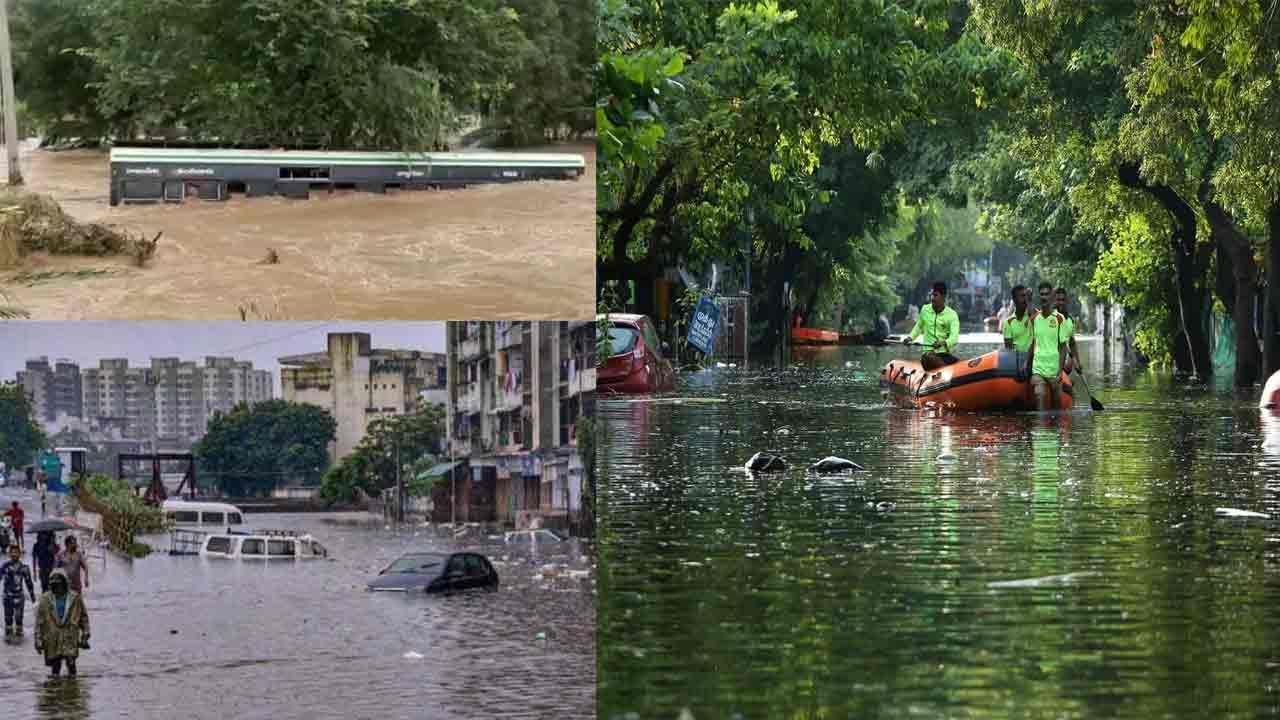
470 348
582 381
469 402
508 400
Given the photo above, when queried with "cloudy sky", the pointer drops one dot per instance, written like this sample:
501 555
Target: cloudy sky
260 342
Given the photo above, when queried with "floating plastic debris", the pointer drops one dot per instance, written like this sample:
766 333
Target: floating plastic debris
1041 581
1234 512
411 655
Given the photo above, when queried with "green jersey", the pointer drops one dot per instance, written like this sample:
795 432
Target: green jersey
1046 330
941 330
1019 331
1068 329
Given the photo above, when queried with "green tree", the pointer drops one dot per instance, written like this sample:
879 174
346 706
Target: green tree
252 447
20 435
412 440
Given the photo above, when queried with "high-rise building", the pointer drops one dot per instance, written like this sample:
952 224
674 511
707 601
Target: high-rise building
357 383
54 390
171 401
517 390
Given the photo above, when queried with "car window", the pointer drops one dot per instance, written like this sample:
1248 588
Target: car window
622 339
414 564
218 545
280 547
233 519
651 338
187 516
214 518
251 546
520 538
475 566
457 564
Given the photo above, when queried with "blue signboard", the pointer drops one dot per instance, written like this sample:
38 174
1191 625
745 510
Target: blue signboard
703 324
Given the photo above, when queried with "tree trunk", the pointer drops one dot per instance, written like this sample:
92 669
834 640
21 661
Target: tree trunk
1270 326
1235 257
1190 264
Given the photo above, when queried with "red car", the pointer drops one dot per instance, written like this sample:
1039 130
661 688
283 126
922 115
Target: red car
636 364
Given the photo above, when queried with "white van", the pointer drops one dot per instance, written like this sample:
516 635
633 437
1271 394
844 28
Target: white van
263 545
190 513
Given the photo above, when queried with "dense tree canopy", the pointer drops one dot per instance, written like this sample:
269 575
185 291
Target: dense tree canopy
363 73
20 436
1128 148
254 447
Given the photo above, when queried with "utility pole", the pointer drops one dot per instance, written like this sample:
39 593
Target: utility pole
746 312
10 105
399 486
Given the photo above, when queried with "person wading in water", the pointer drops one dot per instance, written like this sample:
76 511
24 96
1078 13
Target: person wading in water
13 575
62 625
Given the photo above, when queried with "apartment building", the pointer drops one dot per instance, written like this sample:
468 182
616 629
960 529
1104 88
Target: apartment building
517 390
54 389
358 383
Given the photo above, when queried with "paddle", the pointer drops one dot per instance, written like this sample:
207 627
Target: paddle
1093 401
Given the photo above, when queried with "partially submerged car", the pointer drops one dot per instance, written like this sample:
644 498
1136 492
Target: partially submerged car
636 361
436 572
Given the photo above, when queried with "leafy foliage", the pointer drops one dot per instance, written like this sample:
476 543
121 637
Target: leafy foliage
366 73
412 439
252 447
20 436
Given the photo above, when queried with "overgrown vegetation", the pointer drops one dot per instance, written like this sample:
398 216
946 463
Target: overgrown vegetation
252 448
358 74
124 514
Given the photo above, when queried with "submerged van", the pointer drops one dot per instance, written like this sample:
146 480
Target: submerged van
191 514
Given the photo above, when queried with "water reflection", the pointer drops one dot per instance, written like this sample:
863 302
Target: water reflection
63 698
1023 565
208 639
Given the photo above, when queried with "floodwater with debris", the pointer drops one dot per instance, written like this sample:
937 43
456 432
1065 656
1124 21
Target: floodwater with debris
205 639
999 566
521 250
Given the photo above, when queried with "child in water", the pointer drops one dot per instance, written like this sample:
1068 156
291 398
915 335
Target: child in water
12 576
62 625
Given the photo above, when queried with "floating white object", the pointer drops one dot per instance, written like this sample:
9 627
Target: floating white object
411 655
1039 581
947 457
833 464
1233 512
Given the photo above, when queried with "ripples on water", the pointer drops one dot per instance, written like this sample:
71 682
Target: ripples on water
185 637
870 594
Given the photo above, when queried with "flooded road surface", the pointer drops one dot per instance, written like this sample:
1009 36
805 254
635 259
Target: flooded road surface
523 250
982 566
204 639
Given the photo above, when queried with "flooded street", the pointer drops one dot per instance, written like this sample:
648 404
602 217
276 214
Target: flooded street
523 250
196 638
982 566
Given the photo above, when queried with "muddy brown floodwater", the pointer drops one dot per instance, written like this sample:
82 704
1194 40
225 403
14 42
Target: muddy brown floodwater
524 250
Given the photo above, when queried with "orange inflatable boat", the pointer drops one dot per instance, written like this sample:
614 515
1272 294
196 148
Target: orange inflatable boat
990 382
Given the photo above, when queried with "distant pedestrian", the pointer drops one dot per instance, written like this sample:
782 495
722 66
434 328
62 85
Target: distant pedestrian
62 625
13 575
44 499
44 555
15 516
73 564
4 536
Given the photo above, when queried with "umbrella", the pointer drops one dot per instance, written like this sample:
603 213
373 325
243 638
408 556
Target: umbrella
51 526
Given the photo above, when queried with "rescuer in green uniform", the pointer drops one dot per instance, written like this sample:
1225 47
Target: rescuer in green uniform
941 329
1068 331
1048 352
